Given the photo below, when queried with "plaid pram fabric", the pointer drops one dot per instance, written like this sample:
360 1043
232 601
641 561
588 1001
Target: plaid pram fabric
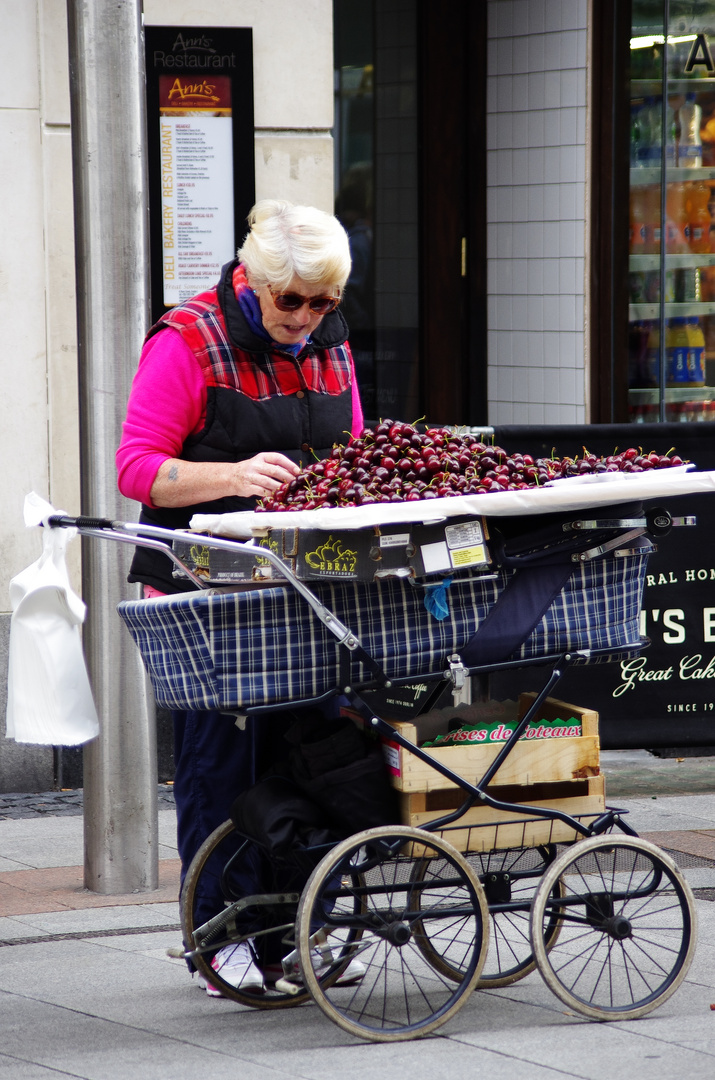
237 651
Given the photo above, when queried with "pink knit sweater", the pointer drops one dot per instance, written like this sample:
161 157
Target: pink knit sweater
167 403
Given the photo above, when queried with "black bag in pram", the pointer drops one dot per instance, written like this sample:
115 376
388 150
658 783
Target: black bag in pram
333 783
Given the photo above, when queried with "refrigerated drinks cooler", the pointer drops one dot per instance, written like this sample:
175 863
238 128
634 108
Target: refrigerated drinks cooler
671 264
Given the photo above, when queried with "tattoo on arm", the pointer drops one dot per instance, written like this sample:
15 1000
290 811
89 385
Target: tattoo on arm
173 473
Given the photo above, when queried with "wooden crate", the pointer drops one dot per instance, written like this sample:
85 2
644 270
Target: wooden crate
485 829
534 762
559 773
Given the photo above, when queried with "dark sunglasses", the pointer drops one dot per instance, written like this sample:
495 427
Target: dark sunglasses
290 301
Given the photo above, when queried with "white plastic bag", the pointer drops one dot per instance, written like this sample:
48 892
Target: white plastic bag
49 700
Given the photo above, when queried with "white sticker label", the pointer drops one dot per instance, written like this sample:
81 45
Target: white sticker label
466 534
392 757
435 557
395 540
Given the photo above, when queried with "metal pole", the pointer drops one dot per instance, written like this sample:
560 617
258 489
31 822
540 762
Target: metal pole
111 241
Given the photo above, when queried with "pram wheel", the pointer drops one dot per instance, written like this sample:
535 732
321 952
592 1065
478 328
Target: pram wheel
510 879
215 868
628 927
374 900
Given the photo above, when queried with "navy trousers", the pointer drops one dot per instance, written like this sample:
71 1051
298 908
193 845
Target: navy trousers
214 762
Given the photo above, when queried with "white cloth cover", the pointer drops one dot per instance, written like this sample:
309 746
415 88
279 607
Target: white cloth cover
577 493
49 699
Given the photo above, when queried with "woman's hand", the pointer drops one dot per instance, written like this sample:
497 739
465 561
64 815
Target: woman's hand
263 474
184 483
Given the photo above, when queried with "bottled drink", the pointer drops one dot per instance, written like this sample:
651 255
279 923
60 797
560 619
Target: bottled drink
652 357
671 137
637 221
707 283
645 122
707 325
673 285
638 214
651 286
637 354
676 220
637 282
653 110
690 147
697 198
687 285
676 352
711 209
638 142
696 352
652 220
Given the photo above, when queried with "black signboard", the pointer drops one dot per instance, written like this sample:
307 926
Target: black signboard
665 697
200 154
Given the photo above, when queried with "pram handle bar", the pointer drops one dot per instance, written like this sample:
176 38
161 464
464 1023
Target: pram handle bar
64 521
107 529
152 536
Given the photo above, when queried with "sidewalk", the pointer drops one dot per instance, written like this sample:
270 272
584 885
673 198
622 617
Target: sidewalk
87 991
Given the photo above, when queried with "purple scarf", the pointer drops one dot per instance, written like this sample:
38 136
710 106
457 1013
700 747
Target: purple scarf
251 308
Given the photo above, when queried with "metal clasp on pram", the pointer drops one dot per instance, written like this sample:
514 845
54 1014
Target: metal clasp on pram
656 522
610 545
457 673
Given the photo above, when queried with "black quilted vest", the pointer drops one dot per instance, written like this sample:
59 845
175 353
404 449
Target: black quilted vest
299 425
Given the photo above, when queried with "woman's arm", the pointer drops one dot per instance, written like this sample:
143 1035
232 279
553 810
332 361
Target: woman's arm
183 483
167 403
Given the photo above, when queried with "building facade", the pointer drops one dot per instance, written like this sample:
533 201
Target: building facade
475 126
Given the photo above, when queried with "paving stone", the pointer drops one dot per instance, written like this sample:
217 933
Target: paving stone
62 888
699 842
60 803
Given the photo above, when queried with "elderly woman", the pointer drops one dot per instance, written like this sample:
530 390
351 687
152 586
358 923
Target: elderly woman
235 388
238 385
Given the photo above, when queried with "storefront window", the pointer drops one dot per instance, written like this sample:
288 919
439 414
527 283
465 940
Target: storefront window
671 355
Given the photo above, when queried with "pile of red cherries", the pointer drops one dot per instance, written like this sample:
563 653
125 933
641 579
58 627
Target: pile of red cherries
394 462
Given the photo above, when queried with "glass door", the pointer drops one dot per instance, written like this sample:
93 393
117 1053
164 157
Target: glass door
376 171
671 262
410 170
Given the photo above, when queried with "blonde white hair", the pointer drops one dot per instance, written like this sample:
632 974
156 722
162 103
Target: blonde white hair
285 240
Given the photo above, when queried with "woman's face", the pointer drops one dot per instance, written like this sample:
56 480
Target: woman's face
290 327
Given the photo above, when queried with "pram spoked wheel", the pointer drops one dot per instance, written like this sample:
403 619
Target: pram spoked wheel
217 861
403 903
510 878
628 927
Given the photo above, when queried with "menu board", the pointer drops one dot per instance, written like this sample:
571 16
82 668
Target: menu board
200 135
197 225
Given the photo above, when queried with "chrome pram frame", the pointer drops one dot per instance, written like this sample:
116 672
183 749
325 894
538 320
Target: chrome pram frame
414 911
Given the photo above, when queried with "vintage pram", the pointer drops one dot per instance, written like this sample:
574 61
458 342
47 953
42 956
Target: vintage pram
477 895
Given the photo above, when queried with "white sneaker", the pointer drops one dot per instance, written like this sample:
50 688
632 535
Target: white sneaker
353 973
235 965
